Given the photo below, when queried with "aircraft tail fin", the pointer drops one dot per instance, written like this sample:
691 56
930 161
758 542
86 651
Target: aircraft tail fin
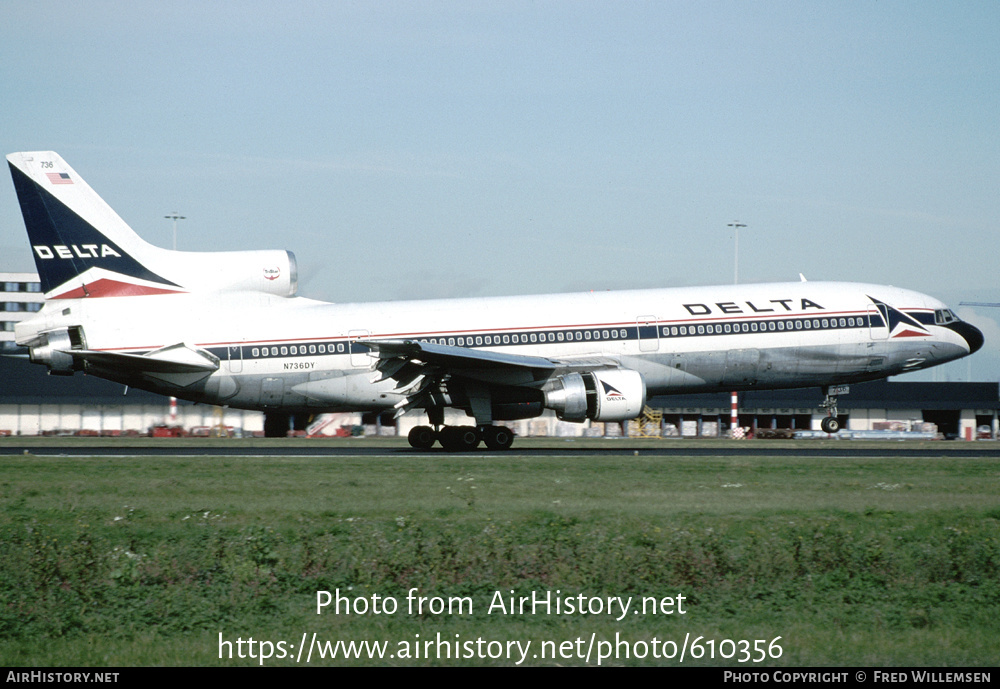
83 249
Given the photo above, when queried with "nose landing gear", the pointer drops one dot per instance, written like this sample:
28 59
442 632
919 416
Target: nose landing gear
831 424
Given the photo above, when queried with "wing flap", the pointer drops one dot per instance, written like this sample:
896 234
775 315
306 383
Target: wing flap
456 357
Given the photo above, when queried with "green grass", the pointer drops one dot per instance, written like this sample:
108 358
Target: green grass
143 561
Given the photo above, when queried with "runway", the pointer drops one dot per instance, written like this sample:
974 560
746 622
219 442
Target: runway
846 449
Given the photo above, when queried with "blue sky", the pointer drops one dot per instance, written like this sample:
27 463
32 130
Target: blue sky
424 149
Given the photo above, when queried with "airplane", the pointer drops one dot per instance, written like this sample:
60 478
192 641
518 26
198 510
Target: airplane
227 328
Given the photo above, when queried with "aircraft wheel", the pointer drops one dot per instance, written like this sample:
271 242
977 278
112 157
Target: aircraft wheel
459 438
830 424
422 437
498 437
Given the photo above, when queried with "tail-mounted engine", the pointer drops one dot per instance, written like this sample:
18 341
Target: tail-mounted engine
50 348
611 395
273 272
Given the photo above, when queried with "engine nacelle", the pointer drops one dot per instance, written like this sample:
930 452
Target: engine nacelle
273 272
607 395
50 348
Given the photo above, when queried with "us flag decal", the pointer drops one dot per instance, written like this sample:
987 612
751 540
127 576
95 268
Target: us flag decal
59 177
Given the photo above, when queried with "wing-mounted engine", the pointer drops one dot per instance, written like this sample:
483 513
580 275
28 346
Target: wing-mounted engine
604 395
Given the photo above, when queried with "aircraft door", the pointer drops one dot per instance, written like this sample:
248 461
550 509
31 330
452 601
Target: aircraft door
359 352
235 358
877 325
649 335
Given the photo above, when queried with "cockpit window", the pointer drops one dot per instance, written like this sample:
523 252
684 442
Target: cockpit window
944 316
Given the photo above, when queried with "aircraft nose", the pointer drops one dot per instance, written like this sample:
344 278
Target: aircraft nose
973 335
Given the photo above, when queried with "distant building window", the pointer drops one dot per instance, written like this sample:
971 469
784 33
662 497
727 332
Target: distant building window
33 307
12 306
22 287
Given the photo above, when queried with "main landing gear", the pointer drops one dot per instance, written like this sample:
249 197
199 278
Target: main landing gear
461 438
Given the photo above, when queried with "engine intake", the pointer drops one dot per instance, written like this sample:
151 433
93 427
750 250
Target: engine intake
612 395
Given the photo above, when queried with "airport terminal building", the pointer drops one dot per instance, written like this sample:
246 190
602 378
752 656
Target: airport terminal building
21 297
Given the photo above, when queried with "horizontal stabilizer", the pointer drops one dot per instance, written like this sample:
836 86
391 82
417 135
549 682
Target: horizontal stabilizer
177 358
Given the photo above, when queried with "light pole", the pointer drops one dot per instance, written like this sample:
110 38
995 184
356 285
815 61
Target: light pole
736 254
734 412
175 217
173 400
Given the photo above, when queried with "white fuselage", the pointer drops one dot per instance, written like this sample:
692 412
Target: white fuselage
274 352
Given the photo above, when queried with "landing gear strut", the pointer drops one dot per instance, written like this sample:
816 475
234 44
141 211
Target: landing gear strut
463 438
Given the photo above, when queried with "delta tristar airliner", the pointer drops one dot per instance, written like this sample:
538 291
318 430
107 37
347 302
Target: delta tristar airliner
226 328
